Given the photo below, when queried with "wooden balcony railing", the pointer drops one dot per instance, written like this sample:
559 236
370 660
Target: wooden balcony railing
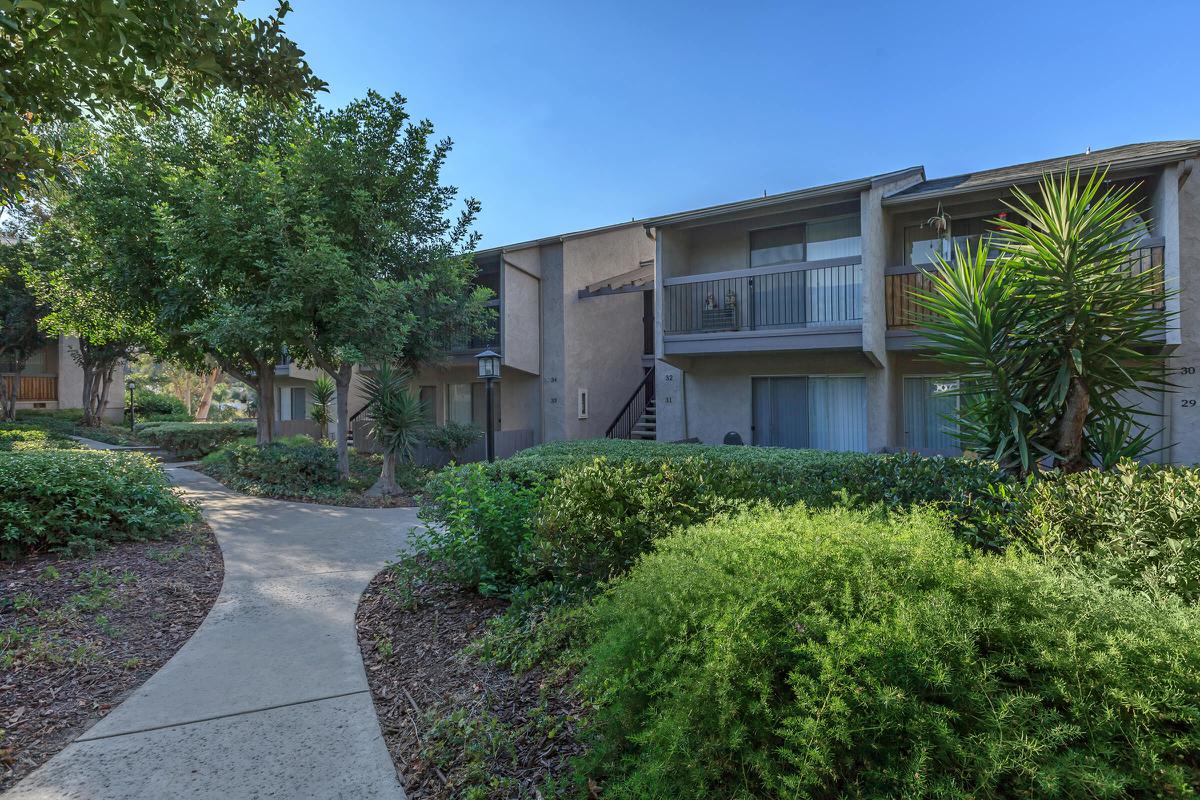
903 311
35 388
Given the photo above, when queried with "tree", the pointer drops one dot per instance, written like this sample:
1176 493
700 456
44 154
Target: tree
61 60
391 275
1056 331
323 393
397 419
20 315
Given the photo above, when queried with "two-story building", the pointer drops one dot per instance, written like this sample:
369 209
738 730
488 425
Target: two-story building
788 320
51 380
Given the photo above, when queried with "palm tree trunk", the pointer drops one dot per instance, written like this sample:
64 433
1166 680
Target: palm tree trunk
1070 427
386 485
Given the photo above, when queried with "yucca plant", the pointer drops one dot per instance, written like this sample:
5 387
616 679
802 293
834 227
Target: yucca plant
1056 332
323 394
397 418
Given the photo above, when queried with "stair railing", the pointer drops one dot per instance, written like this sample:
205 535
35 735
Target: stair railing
634 408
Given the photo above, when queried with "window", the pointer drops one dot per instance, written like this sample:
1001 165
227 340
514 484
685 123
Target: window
458 407
34 365
823 412
428 397
583 404
838 237
777 246
929 407
922 246
299 403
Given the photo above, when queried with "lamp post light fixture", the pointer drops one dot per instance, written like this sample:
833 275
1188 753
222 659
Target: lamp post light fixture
489 370
129 386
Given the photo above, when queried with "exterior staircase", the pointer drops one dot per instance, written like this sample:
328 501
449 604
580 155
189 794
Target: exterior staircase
636 419
646 427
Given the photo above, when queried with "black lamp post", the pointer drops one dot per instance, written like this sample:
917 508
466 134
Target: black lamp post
489 370
129 386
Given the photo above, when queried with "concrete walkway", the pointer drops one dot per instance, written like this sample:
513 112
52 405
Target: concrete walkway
269 697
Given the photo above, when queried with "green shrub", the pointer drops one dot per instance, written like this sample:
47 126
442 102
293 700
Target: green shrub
453 437
1137 526
21 436
294 467
477 526
148 402
596 514
74 500
840 654
193 439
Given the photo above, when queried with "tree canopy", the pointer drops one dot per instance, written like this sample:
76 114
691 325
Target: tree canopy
61 60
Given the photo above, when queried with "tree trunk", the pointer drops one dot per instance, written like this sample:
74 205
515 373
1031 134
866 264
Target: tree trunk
105 384
1070 428
342 380
210 382
8 396
386 485
265 381
90 389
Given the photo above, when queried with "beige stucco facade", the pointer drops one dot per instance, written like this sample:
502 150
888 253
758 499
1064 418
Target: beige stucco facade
716 368
51 380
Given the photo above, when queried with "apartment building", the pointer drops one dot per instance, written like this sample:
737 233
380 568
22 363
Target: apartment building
51 380
788 320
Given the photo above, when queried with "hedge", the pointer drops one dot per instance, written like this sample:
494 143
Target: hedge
578 513
77 499
840 654
193 439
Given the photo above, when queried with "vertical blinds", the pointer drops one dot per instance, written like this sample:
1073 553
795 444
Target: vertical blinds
822 412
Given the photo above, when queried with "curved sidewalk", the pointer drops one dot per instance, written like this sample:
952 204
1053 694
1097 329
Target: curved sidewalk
269 697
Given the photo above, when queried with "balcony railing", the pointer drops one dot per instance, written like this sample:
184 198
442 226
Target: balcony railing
816 294
902 283
35 388
472 345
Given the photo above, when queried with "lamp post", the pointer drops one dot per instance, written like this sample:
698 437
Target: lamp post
489 370
129 386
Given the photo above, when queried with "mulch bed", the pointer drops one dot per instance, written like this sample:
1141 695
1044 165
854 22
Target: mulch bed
451 722
78 634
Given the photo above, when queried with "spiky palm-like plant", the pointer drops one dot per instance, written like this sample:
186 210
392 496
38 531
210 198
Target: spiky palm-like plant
323 394
1055 332
397 419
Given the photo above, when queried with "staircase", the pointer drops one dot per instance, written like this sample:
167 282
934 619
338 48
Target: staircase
646 426
636 419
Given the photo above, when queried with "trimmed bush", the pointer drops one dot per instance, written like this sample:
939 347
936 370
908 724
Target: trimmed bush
193 439
148 402
77 499
1138 525
21 437
840 654
596 513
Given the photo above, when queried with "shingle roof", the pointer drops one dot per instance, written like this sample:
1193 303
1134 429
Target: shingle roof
1129 155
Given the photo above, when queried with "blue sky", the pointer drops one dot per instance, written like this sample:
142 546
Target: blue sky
569 115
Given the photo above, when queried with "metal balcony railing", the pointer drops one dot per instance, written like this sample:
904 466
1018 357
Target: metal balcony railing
793 296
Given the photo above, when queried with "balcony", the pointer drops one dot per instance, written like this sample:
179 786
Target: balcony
797 306
35 388
905 316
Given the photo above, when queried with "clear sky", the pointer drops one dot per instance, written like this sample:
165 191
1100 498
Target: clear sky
569 115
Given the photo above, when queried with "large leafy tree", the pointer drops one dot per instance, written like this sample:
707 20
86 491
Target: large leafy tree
61 60
20 317
387 276
1051 328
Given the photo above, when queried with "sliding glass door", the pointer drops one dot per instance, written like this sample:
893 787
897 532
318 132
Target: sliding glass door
822 412
930 405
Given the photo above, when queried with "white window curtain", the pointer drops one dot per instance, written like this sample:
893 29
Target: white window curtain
837 413
460 403
833 295
929 409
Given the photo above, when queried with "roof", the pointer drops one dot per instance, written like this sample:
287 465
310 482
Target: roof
768 201
1127 156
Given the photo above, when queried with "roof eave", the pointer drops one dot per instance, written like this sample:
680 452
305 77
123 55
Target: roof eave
1119 166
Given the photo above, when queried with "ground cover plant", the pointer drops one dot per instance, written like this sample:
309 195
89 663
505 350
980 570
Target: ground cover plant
78 633
73 500
299 468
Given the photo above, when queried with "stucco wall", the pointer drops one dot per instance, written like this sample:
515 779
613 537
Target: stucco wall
522 347
603 336
517 394
1181 409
